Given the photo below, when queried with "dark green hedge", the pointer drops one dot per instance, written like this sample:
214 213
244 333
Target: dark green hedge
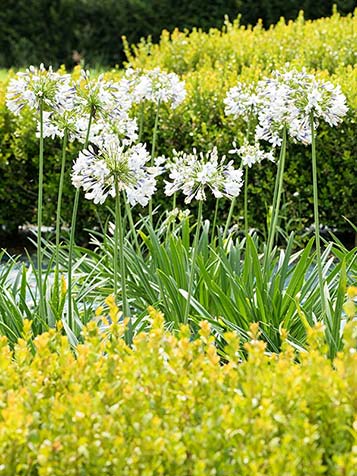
49 31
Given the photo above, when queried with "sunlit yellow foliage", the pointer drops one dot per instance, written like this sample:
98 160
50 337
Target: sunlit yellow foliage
168 406
326 47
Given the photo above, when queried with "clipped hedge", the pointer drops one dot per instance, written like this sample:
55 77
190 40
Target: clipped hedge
94 28
168 406
211 63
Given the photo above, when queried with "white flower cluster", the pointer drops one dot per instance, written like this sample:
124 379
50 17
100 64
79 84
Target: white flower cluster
193 173
38 86
114 165
251 153
156 86
290 100
286 100
241 101
70 104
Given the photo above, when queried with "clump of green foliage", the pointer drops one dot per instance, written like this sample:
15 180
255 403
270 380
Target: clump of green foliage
168 405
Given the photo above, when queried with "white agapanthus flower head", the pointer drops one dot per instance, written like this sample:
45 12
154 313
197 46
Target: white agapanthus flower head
275 111
194 173
101 98
251 154
125 128
56 122
115 166
241 101
156 86
290 100
38 86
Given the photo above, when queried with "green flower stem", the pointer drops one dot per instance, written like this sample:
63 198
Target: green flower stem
72 235
141 122
153 149
56 289
276 201
116 241
229 218
39 220
119 250
59 198
246 229
193 261
214 220
316 214
132 226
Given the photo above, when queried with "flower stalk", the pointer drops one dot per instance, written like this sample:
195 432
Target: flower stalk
276 201
119 253
193 261
316 214
153 150
58 218
39 219
72 236
246 201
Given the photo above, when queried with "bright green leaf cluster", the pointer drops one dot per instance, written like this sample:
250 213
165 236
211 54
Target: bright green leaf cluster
168 406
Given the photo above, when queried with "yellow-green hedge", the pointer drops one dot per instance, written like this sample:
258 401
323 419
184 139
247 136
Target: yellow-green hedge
168 406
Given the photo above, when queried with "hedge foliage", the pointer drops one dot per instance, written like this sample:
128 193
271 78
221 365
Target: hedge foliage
94 27
211 63
168 406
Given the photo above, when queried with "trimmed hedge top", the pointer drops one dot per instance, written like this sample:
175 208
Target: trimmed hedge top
168 406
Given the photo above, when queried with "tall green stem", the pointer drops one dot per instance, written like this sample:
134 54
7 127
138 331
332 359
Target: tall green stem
39 219
153 149
72 235
214 221
276 201
246 201
132 226
141 123
116 240
193 261
59 198
316 214
119 247
229 218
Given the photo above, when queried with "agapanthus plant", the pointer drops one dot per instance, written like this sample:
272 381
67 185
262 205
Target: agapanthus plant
249 154
293 103
115 166
287 100
157 87
241 101
39 88
194 174
113 170
43 91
